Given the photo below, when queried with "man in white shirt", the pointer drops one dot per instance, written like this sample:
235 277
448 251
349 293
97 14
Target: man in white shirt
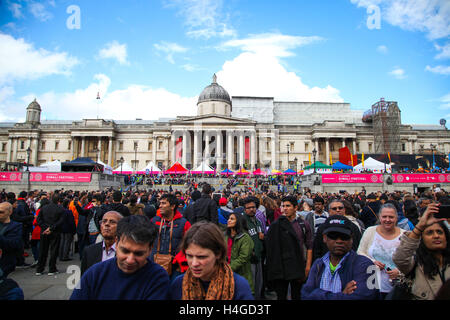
105 249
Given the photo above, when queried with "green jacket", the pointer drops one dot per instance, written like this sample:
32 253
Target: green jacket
241 252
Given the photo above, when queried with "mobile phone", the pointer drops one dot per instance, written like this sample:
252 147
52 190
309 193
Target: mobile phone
444 211
388 269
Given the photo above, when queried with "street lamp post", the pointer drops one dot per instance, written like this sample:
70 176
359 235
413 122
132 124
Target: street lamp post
28 168
135 157
314 156
287 146
121 160
433 147
295 159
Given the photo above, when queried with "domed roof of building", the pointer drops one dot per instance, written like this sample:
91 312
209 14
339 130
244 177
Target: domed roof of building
214 92
34 105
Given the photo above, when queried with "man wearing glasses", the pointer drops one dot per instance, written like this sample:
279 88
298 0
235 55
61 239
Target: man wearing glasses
106 249
336 207
341 274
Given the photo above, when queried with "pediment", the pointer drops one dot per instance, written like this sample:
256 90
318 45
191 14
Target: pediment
212 119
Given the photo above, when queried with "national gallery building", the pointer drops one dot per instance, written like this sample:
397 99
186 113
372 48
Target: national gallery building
228 132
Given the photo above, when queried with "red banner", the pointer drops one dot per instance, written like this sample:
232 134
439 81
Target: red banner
61 177
247 148
351 178
10 176
179 149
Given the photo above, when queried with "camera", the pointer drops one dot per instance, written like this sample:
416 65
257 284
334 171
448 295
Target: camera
444 211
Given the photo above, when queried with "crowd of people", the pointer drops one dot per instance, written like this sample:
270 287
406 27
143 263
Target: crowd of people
208 244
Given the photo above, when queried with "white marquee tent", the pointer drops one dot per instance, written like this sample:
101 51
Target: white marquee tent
373 165
203 168
52 166
125 169
106 169
151 167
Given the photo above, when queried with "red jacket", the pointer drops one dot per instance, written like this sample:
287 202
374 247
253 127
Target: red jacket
36 234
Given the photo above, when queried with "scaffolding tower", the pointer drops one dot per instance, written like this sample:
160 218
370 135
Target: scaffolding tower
386 121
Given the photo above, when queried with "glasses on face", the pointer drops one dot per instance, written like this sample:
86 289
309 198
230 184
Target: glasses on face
337 208
336 235
104 221
249 208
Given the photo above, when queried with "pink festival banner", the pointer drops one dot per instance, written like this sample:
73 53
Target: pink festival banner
61 177
352 178
378 178
10 176
421 178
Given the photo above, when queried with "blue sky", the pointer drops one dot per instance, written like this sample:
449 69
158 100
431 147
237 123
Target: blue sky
151 59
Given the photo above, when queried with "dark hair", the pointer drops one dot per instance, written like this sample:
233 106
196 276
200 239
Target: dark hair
173 201
411 212
44 202
425 257
23 194
133 200
250 199
318 199
117 195
206 235
138 228
291 199
206 189
241 224
65 203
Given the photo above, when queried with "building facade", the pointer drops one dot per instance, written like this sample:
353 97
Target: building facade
237 132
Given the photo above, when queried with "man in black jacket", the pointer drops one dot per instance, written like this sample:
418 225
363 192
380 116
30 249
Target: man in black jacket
369 214
117 205
10 240
205 208
50 219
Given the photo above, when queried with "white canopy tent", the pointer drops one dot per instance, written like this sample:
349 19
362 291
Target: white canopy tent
125 169
203 168
373 165
151 167
106 169
52 166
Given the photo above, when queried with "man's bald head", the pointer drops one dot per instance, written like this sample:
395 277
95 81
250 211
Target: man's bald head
6 210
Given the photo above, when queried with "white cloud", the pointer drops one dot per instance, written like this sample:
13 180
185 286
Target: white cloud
271 44
134 101
114 50
39 11
204 18
429 16
445 100
382 49
444 51
19 60
445 70
16 10
398 73
258 71
170 49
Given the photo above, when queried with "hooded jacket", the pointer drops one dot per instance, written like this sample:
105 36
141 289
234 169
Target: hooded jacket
241 253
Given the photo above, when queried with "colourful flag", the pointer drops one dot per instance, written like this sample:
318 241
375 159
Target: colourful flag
309 155
389 156
362 159
331 159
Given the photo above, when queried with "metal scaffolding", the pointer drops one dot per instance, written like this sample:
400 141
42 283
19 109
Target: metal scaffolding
386 121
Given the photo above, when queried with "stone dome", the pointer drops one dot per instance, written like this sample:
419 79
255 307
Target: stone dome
214 92
34 105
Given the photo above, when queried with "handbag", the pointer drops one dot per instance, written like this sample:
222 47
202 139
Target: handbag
402 289
164 260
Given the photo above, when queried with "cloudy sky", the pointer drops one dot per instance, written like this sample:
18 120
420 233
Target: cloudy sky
150 59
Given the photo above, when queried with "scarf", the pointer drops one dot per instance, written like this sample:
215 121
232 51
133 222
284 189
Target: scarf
221 286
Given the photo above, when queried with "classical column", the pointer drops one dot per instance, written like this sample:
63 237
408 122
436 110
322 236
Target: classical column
230 147
184 152
253 149
99 149
173 147
73 147
411 147
316 142
354 147
110 146
273 151
154 146
327 150
206 154
8 150
83 143
219 147
15 143
35 148
343 142
241 148
196 134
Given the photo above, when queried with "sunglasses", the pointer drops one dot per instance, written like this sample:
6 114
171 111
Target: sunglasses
336 235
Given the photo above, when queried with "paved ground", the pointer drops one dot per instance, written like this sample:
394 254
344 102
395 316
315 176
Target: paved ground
56 287
46 287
